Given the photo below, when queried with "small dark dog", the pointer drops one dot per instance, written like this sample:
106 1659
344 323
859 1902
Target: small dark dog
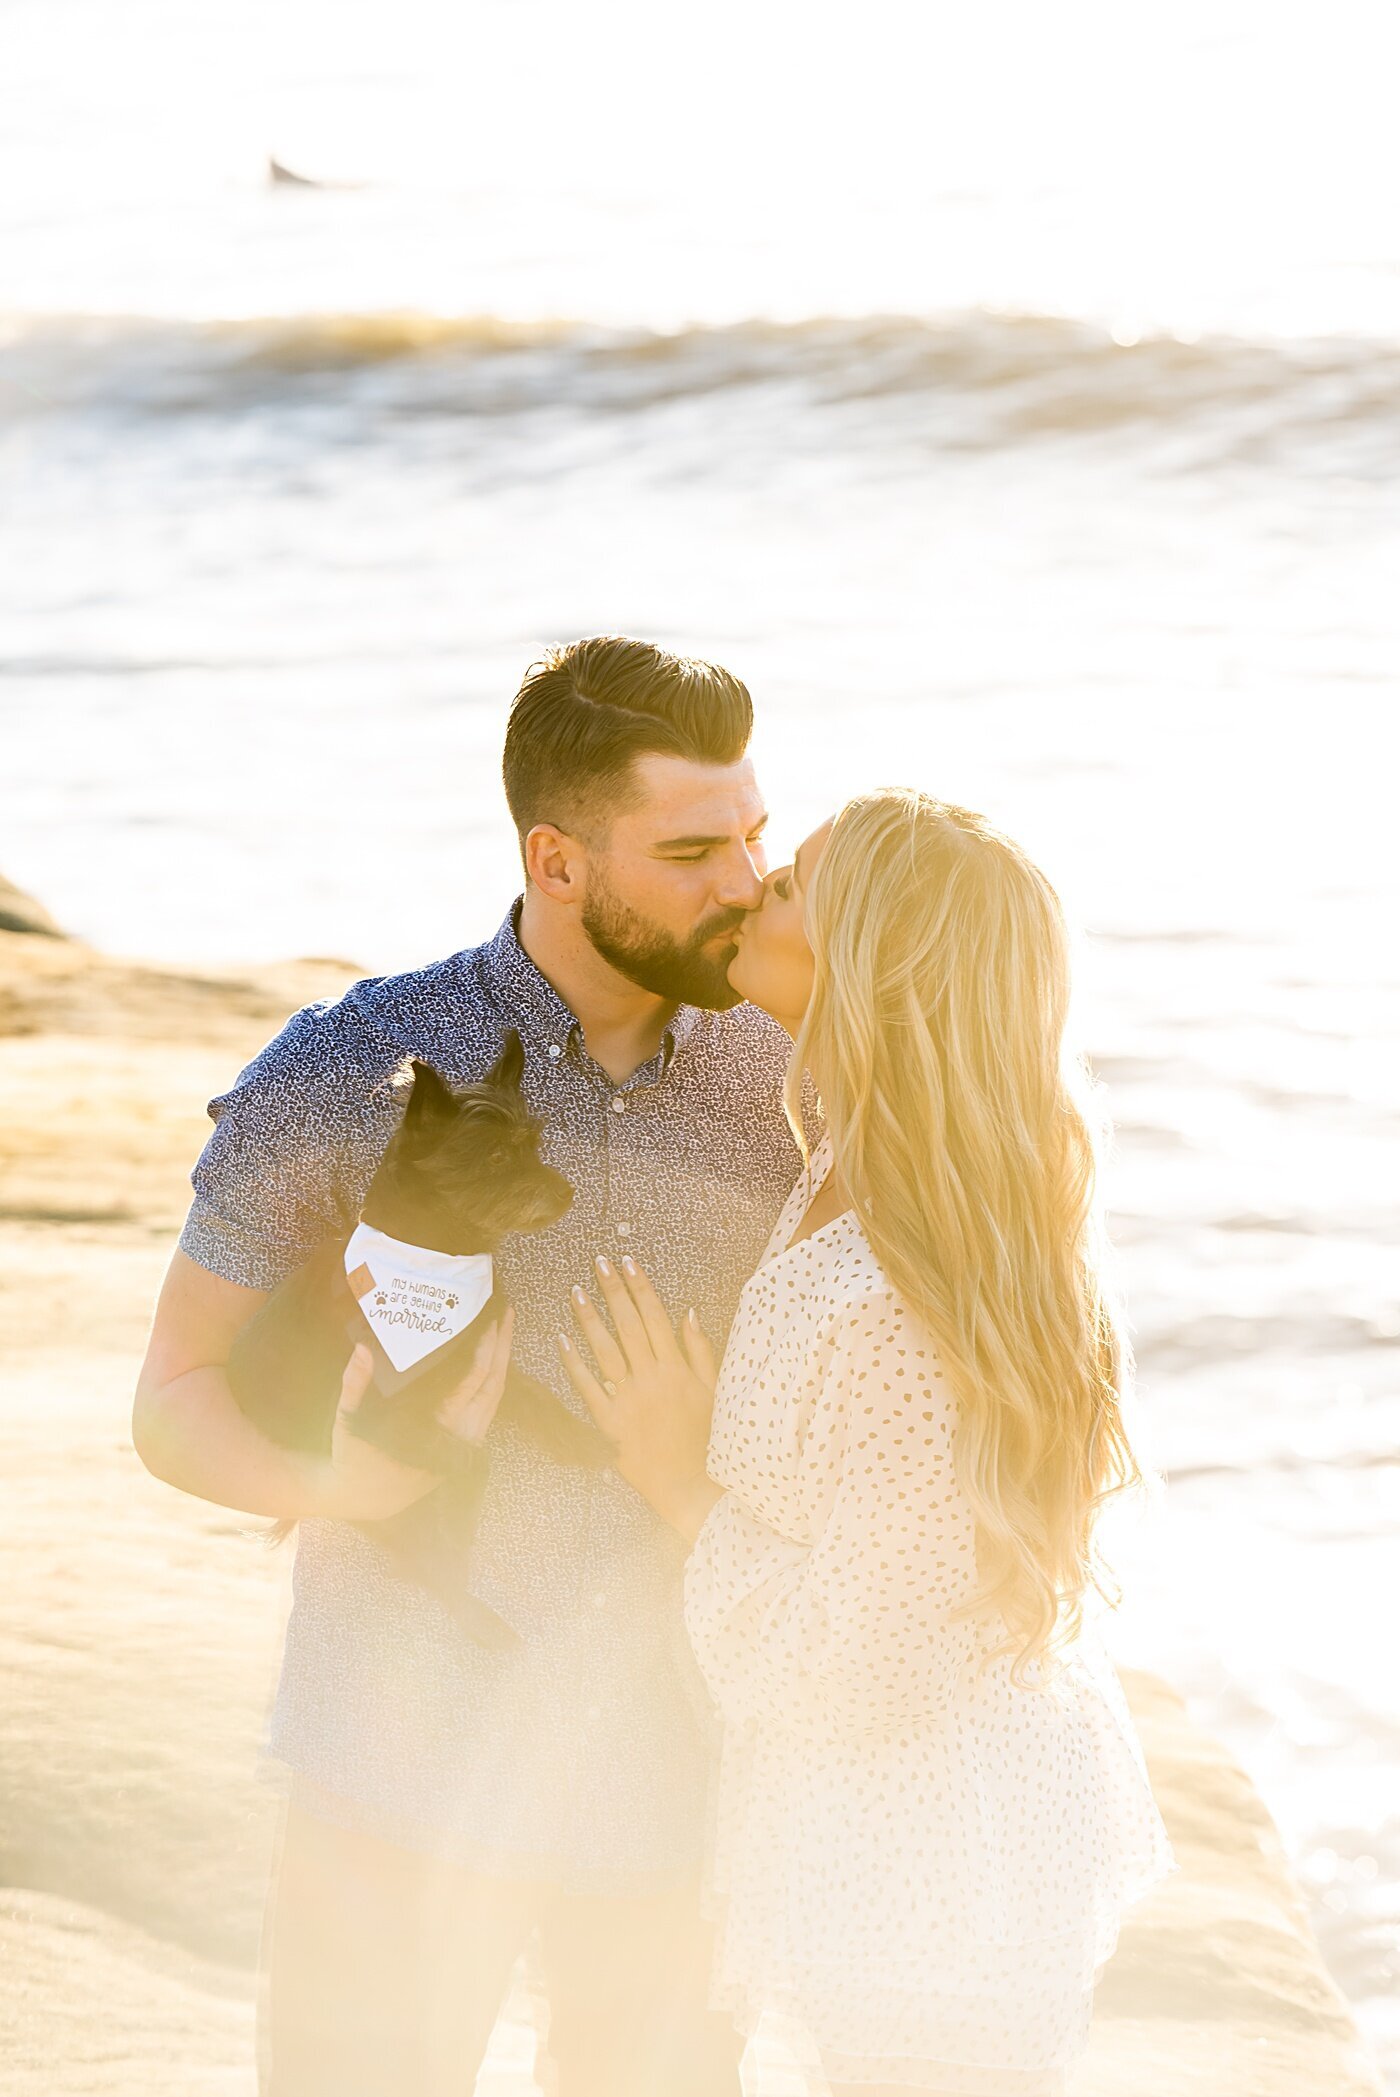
460 1172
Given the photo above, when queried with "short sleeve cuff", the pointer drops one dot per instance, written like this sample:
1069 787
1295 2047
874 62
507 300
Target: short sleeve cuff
232 1251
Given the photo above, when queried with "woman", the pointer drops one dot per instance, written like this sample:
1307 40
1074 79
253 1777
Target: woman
933 1807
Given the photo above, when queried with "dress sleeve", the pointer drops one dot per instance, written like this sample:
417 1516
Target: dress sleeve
279 1174
852 1628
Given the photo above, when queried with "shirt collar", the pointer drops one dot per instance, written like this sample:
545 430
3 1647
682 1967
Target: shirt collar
529 1000
535 1008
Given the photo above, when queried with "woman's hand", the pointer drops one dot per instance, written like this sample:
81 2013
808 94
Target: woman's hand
652 1396
359 1483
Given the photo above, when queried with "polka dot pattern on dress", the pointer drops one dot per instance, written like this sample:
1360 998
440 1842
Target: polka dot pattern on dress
918 1869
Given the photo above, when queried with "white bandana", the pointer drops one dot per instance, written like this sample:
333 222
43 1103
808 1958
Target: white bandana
415 1300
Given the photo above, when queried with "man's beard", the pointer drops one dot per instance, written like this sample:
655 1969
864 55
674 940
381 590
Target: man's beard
677 970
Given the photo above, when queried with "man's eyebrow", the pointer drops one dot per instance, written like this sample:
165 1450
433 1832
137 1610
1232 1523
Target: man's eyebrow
670 844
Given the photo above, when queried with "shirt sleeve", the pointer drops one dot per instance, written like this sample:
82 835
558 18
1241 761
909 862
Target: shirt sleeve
852 1628
282 1170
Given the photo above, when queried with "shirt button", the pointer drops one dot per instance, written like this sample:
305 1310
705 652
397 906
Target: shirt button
600 1601
619 1105
624 1230
555 1052
594 1711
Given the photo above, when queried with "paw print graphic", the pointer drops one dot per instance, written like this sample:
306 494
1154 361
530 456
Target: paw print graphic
452 1303
381 1297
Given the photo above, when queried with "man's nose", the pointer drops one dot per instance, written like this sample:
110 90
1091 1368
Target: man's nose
741 885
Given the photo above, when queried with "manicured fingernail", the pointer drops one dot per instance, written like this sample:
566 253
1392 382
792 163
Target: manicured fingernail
602 1265
579 1295
690 1317
564 1347
629 1265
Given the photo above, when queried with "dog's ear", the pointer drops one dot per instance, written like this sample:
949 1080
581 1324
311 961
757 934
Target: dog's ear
430 1089
509 1067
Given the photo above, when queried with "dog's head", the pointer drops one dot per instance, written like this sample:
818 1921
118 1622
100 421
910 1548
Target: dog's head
462 1169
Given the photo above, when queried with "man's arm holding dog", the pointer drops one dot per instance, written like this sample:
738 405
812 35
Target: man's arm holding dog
189 1431
266 1192
263 1196
186 1424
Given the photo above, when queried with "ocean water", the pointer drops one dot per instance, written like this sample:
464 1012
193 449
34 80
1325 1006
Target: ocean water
1018 414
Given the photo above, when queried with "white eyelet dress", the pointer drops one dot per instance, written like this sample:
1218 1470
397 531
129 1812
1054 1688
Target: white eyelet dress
917 1876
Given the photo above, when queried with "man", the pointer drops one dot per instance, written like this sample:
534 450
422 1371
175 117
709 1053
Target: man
450 1805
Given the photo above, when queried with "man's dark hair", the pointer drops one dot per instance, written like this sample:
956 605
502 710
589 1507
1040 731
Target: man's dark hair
586 712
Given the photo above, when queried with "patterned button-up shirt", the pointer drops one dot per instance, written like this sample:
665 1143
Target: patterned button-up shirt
584 1753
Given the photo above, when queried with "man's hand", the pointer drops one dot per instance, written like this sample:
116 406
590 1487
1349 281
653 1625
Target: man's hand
360 1483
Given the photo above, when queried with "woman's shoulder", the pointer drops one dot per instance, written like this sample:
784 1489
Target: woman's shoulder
805 1294
834 1276
857 1305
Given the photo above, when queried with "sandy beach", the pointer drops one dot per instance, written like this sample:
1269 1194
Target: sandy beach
139 1650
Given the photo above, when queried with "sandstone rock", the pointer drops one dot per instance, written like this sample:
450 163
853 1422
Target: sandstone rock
21 913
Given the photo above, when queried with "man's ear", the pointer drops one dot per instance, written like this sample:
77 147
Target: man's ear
556 863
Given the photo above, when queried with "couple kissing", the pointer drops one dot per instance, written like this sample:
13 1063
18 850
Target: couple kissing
804 1715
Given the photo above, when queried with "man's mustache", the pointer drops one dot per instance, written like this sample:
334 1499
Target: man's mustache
729 921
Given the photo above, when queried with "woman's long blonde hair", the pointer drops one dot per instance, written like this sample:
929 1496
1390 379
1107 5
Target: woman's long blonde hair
962 1127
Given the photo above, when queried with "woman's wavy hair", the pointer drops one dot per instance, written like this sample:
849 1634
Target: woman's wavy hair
965 1131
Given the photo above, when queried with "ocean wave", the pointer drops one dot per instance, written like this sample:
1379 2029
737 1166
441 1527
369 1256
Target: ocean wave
1220 1336
1305 1464
999 376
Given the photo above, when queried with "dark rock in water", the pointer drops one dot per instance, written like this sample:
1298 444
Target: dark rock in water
278 172
283 177
20 913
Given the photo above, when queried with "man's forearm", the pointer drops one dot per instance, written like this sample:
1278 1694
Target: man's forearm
191 1433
